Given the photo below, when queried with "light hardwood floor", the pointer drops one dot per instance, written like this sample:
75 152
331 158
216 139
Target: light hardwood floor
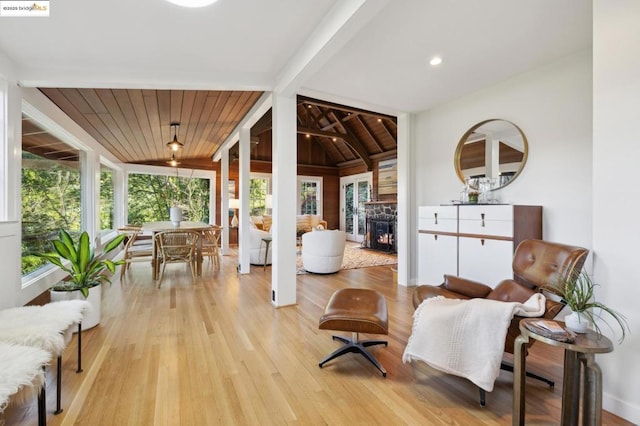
218 352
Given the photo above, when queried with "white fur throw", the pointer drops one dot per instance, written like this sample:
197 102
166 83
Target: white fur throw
21 372
48 327
466 337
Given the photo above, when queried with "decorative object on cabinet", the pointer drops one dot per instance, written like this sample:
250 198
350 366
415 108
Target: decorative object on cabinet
499 141
577 292
474 241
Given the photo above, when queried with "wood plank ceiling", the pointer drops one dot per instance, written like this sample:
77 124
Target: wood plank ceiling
135 126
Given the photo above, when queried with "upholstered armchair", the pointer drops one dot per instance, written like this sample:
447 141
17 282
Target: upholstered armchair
257 247
536 264
323 251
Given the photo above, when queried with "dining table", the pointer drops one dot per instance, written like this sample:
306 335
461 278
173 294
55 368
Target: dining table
155 227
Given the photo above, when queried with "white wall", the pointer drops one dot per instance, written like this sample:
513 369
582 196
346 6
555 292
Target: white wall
10 286
578 169
552 106
616 193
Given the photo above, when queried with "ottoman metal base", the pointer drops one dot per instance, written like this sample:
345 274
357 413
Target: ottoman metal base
356 346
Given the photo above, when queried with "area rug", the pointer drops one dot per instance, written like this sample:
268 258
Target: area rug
358 257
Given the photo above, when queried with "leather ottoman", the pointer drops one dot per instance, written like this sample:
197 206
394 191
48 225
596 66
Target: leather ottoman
356 310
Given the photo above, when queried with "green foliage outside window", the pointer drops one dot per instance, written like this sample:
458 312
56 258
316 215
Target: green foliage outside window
257 196
106 199
50 202
151 196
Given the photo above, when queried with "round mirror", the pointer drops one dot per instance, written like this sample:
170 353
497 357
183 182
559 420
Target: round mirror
493 149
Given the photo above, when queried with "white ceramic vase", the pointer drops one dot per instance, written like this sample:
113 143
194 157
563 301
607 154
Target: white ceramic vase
92 316
175 215
577 322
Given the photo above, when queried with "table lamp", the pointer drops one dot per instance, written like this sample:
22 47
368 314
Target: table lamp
234 204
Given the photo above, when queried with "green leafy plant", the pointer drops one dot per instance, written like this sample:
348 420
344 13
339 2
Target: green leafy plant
84 269
577 293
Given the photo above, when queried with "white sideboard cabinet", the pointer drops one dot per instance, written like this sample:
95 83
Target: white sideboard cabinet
474 241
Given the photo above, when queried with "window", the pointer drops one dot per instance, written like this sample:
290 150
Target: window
151 197
310 195
106 199
259 187
50 191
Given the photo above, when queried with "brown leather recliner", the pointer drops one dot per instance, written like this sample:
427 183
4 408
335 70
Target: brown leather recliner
536 264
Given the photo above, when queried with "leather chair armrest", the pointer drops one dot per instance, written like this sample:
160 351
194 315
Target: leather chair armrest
469 288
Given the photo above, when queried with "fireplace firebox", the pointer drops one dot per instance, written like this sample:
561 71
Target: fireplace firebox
381 233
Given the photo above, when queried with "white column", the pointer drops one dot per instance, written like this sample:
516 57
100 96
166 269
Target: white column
284 170
90 176
212 198
406 203
120 197
224 200
492 156
244 177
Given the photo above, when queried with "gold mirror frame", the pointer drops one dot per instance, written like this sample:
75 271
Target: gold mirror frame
466 138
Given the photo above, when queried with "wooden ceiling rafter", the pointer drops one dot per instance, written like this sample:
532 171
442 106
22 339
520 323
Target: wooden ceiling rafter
368 131
347 138
352 110
392 136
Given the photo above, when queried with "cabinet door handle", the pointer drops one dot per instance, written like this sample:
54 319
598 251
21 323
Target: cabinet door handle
482 241
482 217
435 237
435 217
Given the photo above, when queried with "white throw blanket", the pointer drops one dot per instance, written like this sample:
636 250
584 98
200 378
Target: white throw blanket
466 337
21 373
48 327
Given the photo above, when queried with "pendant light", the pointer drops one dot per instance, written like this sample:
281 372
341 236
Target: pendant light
174 145
173 161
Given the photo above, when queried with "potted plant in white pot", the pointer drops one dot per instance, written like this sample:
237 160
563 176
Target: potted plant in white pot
578 294
86 271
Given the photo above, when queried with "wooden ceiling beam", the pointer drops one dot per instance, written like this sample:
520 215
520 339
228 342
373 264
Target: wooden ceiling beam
369 133
331 105
386 129
353 143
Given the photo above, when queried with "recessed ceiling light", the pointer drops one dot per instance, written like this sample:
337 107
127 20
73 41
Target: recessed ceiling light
436 60
192 3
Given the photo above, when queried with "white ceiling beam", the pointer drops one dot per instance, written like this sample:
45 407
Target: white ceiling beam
255 113
339 25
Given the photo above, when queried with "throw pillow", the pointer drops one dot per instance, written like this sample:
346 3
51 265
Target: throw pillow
303 223
314 220
266 223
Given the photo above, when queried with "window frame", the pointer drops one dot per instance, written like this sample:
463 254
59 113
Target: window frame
319 180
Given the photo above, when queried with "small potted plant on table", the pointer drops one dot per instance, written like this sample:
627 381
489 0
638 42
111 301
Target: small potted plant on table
578 294
86 271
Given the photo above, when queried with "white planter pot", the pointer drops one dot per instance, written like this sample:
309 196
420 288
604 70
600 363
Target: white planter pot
92 316
577 322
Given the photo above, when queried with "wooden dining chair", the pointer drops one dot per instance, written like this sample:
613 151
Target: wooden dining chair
137 248
177 246
210 244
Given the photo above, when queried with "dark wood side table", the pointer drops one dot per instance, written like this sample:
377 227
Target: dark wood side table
579 355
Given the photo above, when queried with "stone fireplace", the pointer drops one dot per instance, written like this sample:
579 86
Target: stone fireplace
381 222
